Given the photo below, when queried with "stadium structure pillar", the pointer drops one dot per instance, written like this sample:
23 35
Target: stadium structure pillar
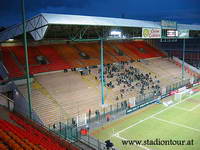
183 60
102 72
26 57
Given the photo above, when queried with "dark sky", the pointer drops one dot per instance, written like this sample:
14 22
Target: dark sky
183 11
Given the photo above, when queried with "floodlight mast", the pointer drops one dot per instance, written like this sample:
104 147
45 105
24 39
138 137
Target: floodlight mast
26 57
102 72
183 59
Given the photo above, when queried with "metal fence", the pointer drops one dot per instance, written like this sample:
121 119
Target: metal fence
116 111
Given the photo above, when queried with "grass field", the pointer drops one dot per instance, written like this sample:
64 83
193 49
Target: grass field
179 121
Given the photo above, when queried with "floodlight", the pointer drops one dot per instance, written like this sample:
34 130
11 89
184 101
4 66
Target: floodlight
10 40
116 33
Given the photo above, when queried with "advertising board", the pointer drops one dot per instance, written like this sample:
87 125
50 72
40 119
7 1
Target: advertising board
151 33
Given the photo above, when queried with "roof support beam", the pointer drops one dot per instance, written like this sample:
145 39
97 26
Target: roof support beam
102 73
36 25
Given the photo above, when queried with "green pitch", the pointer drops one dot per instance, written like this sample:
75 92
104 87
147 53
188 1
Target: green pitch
179 122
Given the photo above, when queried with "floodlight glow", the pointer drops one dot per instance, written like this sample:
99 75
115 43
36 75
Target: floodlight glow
116 33
10 40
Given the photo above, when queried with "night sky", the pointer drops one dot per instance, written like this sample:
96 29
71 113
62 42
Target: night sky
183 11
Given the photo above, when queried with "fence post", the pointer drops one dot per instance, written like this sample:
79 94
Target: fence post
49 126
104 112
65 131
88 139
98 144
60 128
110 109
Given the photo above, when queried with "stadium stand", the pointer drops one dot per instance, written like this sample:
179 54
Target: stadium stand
139 51
66 92
18 133
142 50
192 51
65 56
69 100
43 104
89 50
54 61
120 46
81 91
153 52
10 64
107 58
19 53
69 54
165 70
114 56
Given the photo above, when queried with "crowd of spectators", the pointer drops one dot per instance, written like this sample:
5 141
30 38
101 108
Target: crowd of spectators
127 78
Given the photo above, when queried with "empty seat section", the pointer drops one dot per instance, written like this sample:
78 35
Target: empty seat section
69 54
10 64
51 54
89 50
127 51
19 53
157 51
136 50
33 53
148 50
107 57
55 62
90 62
24 136
112 51
143 49
48 68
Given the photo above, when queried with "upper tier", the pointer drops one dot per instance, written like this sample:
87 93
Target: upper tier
65 56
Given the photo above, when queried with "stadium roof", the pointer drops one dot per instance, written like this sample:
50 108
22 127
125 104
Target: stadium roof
97 21
37 26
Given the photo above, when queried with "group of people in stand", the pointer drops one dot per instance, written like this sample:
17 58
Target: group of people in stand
128 78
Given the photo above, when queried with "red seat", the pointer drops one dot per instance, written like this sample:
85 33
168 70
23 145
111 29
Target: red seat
10 64
34 136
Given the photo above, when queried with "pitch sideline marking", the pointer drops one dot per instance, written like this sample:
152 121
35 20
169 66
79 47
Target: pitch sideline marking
135 124
195 107
185 109
181 108
177 124
191 109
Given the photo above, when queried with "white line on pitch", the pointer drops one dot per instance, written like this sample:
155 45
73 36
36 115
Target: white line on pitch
195 107
137 123
182 108
177 124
